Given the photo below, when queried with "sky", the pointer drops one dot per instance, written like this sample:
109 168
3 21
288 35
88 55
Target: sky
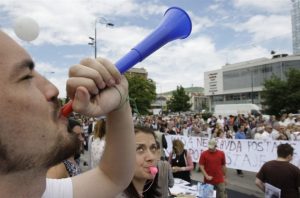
223 31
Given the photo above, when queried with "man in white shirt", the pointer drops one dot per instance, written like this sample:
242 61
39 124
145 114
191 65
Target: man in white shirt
266 135
275 131
289 120
258 134
34 134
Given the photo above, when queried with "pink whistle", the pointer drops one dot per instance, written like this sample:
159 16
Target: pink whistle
153 170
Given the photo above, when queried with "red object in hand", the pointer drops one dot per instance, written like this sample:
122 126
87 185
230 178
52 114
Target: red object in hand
66 109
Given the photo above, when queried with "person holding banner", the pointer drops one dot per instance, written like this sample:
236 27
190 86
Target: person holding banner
212 163
240 134
280 173
181 161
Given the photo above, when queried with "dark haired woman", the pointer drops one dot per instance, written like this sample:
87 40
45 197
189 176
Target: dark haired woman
144 184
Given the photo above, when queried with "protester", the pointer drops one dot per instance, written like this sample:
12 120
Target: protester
165 175
160 137
69 167
240 134
34 135
181 161
213 167
97 143
281 173
143 184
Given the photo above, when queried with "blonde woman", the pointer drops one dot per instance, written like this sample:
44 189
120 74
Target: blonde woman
181 161
97 143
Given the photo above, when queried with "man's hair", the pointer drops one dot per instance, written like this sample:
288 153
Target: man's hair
284 150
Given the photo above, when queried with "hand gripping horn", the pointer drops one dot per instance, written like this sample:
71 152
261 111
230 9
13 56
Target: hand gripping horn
176 24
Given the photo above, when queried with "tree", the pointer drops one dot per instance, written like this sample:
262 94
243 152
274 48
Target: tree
141 93
179 101
282 95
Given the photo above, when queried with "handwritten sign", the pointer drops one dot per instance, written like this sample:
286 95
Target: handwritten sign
247 155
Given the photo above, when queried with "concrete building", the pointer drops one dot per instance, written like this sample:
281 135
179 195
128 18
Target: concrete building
295 14
198 101
138 72
243 82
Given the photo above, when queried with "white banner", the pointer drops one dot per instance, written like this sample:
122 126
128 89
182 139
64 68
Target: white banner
247 155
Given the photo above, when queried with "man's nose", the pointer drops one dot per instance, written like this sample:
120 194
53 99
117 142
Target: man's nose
47 88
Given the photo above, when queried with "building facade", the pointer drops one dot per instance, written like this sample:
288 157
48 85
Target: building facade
243 82
295 14
137 72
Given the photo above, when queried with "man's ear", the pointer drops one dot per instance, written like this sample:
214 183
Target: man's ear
289 157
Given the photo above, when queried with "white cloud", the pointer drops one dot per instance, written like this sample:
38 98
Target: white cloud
266 27
200 23
270 6
183 63
245 54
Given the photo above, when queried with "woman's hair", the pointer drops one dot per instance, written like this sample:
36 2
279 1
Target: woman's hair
178 146
151 187
100 129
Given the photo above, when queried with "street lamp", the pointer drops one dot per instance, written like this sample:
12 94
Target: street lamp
251 72
93 42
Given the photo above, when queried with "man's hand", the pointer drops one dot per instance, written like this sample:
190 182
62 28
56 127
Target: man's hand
96 87
208 177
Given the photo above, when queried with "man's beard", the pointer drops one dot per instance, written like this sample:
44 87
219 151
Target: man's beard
65 148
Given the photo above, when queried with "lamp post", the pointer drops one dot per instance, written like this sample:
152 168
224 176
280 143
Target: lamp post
252 87
93 42
251 72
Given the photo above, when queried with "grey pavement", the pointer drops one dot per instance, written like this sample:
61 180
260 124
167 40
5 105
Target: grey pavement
244 185
237 183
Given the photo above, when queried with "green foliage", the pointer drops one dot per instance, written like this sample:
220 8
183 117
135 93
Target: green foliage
141 93
206 115
279 95
179 101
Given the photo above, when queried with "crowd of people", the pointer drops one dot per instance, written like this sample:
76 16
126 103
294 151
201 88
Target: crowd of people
39 153
285 127
179 164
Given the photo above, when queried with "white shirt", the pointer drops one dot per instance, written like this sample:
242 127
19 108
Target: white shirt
295 136
266 136
96 151
61 188
274 134
258 136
